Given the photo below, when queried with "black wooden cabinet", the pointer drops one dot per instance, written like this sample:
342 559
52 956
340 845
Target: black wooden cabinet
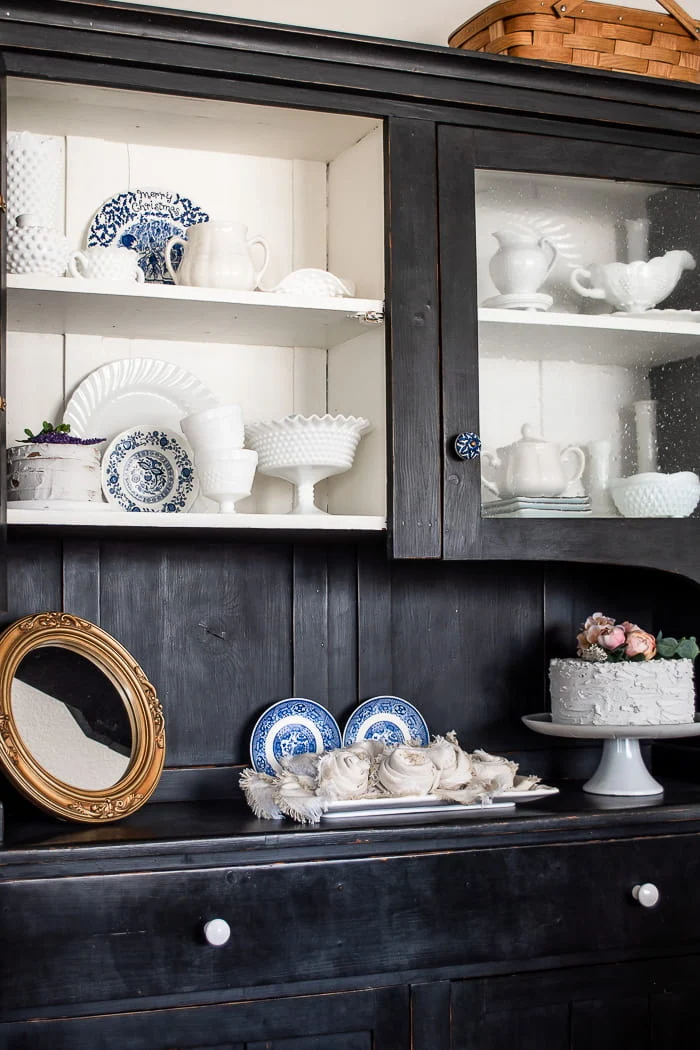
574 154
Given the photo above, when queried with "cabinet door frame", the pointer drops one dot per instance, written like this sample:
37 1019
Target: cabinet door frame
382 1013
661 543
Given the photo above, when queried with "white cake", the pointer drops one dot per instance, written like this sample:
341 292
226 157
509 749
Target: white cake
38 471
624 693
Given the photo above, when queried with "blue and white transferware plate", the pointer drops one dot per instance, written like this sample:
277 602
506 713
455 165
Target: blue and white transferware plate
387 718
149 469
291 727
145 220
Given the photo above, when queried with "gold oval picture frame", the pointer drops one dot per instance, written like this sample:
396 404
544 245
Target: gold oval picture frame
138 695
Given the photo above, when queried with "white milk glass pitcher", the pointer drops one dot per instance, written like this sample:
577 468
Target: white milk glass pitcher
217 254
531 467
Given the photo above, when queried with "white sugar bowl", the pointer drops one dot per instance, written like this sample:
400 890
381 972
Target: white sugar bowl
313 282
32 248
114 263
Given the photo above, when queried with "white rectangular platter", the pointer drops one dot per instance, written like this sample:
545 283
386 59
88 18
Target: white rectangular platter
428 804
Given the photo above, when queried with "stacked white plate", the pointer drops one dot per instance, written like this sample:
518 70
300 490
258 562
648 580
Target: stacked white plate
538 507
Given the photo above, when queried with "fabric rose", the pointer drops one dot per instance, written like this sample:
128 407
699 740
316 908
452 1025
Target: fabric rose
640 643
372 748
493 772
454 765
296 797
343 774
407 771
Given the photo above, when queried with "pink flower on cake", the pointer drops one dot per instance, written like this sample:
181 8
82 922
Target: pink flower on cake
639 643
612 637
600 630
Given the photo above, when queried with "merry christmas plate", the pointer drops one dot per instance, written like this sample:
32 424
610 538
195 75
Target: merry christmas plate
145 220
291 727
387 718
149 469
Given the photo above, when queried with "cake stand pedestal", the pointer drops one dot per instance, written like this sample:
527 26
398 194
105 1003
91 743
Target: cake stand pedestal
622 770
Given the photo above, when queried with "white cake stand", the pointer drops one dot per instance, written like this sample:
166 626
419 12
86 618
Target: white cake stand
621 770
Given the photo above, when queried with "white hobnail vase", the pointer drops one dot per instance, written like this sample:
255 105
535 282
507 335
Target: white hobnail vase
34 248
35 177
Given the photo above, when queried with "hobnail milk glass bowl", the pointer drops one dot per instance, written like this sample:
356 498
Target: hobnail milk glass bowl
227 476
306 449
656 495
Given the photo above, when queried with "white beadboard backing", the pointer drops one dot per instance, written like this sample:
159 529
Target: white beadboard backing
34 382
356 215
568 402
187 123
357 386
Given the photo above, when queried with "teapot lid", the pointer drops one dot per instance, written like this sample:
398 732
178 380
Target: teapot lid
530 433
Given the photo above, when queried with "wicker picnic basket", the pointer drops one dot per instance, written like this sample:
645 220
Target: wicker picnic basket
605 36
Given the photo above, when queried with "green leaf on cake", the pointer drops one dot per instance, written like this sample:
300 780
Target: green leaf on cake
687 649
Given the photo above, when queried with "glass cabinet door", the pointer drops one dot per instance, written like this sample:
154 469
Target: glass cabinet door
580 356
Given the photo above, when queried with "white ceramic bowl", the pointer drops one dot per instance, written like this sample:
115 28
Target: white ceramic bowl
656 495
227 476
314 283
214 430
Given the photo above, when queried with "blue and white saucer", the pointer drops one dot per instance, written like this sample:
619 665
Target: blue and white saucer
386 718
149 469
145 220
291 727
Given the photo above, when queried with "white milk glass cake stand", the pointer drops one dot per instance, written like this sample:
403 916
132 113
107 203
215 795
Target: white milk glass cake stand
305 450
622 770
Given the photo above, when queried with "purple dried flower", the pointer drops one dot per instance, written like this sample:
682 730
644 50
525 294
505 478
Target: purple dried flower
59 435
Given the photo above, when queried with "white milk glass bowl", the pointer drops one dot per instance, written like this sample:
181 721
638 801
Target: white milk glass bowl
227 476
656 495
214 430
306 449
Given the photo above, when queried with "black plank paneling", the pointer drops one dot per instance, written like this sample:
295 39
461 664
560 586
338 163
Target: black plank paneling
212 626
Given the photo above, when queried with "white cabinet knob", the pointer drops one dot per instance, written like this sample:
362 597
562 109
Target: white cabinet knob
217 932
647 894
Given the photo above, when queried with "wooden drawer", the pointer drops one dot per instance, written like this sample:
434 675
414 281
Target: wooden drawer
92 939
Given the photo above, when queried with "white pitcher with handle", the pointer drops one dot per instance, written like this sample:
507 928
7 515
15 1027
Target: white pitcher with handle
217 254
531 467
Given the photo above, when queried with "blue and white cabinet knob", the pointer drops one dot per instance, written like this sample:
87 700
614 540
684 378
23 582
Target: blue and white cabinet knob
468 446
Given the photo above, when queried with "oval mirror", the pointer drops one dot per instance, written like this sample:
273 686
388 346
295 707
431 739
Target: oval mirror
81 727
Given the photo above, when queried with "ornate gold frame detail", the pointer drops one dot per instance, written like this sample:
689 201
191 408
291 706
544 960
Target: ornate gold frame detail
140 700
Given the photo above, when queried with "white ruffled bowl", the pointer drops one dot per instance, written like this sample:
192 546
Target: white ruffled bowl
656 495
306 449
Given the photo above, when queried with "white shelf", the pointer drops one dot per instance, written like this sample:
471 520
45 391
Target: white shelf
161 311
118 518
602 339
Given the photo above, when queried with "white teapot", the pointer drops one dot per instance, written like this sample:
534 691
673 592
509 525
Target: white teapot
217 255
531 467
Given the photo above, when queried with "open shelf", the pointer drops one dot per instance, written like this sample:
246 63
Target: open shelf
162 311
101 516
613 339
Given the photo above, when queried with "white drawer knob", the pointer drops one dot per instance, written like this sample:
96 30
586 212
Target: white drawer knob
217 932
647 894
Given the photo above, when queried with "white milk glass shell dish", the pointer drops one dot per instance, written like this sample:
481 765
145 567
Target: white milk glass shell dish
656 495
227 476
34 248
314 283
636 286
306 449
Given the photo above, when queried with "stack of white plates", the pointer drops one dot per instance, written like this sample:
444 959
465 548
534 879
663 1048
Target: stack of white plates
538 507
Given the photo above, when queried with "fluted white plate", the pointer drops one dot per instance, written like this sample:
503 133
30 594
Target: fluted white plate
134 391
